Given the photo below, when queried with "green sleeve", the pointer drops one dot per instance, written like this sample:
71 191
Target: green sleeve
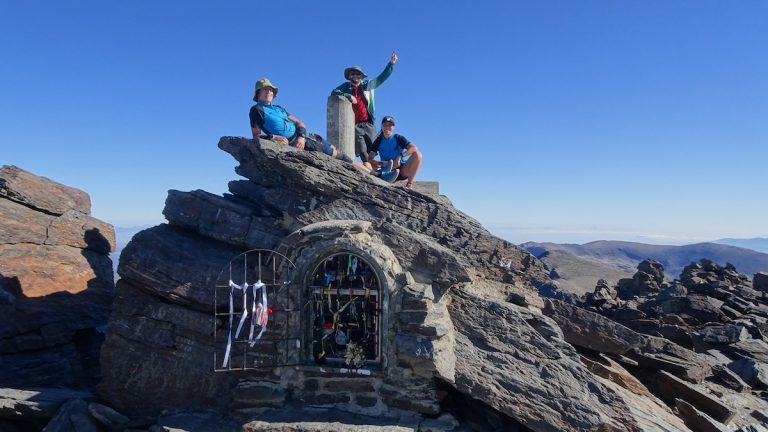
379 80
339 91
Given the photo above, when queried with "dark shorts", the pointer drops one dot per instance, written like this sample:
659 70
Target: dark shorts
365 134
315 142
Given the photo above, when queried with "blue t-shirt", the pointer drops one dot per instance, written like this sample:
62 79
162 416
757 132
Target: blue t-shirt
390 148
275 120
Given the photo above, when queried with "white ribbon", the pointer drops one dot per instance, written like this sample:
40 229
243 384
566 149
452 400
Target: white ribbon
232 287
260 314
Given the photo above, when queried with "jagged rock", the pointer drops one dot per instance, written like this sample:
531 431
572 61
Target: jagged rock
694 308
602 294
501 359
652 268
729 378
752 428
257 426
460 310
723 334
696 419
318 185
670 388
673 290
107 416
39 403
72 417
625 315
56 282
760 281
688 370
606 368
647 280
228 219
590 330
165 349
753 372
750 348
195 421
41 193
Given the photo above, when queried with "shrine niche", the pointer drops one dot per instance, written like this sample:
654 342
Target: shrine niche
331 319
344 299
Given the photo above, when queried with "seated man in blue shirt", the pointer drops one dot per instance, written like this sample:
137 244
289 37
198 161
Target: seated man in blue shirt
277 125
405 156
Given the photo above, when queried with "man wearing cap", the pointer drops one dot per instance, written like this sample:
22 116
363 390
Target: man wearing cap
274 122
359 91
405 156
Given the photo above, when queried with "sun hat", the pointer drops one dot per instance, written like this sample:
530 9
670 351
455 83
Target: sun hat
260 84
349 70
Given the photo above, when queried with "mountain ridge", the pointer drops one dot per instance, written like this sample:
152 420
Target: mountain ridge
609 259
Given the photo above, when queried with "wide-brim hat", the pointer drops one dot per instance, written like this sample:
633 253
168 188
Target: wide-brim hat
349 70
260 84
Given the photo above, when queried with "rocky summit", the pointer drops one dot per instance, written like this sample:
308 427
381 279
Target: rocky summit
312 297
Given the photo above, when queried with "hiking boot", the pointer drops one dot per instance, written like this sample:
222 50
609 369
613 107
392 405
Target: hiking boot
390 176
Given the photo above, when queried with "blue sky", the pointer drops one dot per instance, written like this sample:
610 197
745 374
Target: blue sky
545 120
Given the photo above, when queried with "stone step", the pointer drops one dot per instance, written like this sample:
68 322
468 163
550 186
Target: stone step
427 187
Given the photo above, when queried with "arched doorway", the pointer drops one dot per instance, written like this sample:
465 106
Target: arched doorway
345 303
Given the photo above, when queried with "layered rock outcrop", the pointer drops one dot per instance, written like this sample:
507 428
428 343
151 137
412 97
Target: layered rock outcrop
56 283
438 268
711 316
463 329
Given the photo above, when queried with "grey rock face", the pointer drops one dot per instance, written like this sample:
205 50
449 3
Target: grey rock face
648 279
325 189
41 193
760 281
56 282
459 311
536 378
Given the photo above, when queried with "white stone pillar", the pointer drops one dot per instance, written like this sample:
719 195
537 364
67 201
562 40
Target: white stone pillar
340 123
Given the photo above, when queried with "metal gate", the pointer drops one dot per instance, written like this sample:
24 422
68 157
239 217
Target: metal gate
257 314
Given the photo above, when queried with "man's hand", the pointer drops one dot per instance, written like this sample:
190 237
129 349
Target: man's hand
393 59
280 139
300 143
353 99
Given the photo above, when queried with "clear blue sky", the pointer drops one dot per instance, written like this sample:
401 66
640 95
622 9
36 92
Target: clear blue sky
545 120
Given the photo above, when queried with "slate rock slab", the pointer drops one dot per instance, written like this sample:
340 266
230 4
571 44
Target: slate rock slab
505 362
41 193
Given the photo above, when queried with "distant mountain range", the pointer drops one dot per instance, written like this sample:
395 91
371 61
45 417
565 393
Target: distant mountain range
576 268
759 244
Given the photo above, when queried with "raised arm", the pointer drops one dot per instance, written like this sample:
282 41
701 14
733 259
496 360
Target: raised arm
379 80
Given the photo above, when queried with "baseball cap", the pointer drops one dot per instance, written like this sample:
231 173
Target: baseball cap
388 119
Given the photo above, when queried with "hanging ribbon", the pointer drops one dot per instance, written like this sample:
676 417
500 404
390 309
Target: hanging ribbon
260 315
232 287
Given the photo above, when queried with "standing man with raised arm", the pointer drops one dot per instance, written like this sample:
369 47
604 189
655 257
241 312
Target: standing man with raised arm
360 92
